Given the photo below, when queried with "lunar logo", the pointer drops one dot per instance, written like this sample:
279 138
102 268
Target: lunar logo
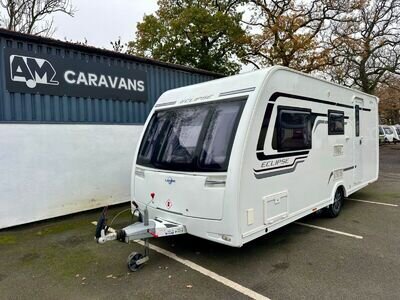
32 71
170 180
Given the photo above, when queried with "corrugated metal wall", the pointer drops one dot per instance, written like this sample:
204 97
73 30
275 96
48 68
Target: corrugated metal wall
35 108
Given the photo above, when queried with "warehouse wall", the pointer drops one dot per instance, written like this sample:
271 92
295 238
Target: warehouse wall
52 170
41 108
62 154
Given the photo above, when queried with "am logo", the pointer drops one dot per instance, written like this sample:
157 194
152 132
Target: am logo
32 71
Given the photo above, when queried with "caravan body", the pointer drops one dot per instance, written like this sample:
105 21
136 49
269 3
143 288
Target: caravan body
235 158
396 133
389 134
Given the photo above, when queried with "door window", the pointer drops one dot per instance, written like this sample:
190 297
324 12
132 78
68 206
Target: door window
335 122
357 112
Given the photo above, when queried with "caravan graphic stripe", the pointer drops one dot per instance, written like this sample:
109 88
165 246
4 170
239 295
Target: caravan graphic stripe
237 91
344 170
280 167
319 122
276 95
266 123
279 172
270 106
264 127
262 156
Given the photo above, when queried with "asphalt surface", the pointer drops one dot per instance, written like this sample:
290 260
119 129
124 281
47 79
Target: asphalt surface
59 258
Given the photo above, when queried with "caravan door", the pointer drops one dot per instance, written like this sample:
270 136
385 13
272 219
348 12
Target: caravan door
358 141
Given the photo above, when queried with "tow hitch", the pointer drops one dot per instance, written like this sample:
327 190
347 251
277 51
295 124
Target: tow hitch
143 230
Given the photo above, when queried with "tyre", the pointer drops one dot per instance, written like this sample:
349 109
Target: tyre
333 210
133 266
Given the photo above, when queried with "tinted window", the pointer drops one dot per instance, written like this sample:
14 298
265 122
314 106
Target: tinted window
357 112
293 129
398 131
217 141
380 130
388 130
335 122
192 138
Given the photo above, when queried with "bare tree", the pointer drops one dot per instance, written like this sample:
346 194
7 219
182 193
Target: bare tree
34 16
118 46
291 32
367 46
389 104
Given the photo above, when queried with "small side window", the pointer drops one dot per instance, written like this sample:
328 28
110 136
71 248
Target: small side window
335 122
292 129
357 108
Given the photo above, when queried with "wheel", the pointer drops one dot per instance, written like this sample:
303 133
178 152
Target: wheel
132 261
334 209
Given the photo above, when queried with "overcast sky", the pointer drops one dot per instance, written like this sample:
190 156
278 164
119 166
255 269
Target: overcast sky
102 21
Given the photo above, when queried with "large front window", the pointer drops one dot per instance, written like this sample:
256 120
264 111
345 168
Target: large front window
192 138
388 130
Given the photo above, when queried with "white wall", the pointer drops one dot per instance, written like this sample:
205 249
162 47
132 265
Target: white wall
53 170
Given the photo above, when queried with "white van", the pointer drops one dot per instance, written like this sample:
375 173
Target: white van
232 159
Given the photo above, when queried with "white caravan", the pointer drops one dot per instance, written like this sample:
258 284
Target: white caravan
396 133
389 134
232 159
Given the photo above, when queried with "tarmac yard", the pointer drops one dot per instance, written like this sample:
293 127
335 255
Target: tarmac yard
355 256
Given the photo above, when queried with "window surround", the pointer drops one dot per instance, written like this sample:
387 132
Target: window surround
339 112
278 127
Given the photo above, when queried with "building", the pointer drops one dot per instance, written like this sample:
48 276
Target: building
70 119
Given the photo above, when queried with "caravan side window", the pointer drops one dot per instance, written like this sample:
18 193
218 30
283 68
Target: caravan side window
335 122
357 120
292 129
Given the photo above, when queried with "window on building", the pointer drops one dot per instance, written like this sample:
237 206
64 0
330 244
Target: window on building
292 129
335 122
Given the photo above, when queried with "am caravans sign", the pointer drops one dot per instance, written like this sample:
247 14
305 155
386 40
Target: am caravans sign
29 72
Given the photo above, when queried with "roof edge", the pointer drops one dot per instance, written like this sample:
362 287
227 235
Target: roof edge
98 51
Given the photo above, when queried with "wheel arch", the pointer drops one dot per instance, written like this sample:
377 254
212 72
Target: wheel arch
339 185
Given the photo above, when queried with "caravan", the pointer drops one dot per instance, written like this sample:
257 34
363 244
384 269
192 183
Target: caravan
396 133
389 134
235 158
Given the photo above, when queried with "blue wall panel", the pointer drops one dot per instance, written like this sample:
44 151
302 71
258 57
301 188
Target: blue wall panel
34 108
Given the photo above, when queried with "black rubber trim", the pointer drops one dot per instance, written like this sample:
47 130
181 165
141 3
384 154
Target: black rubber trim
276 95
262 156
